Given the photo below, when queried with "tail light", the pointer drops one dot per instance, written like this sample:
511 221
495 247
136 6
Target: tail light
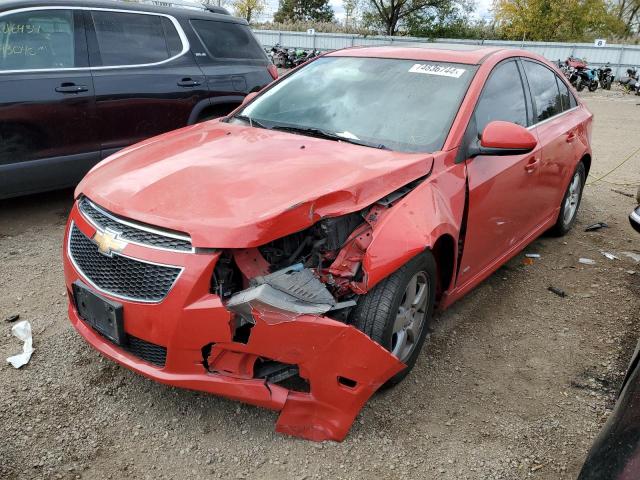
273 71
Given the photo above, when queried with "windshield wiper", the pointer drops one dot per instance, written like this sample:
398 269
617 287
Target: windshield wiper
251 121
318 132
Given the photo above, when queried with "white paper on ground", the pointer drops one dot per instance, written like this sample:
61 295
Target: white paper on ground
587 261
22 331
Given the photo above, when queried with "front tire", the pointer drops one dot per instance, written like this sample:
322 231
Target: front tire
570 202
396 312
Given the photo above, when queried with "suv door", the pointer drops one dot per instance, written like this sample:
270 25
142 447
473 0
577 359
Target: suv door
145 77
47 139
556 128
503 208
232 59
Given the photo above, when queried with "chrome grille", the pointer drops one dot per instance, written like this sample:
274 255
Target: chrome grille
118 275
133 232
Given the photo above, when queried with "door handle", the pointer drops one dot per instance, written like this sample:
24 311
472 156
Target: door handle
571 136
71 88
188 82
532 165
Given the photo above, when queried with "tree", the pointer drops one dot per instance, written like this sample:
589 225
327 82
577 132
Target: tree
628 11
247 8
350 7
556 20
449 20
304 11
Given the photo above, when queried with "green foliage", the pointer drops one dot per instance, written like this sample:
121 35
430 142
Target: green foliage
304 11
452 20
248 8
556 20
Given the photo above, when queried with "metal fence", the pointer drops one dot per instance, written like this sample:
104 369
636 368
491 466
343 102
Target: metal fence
619 57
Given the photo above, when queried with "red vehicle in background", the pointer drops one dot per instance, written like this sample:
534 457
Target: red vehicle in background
291 254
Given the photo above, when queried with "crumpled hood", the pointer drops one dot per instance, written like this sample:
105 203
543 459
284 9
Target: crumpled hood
233 186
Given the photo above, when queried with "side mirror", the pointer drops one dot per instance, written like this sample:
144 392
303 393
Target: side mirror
504 138
249 97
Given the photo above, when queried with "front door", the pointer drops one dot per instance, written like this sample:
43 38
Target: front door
501 210
47 139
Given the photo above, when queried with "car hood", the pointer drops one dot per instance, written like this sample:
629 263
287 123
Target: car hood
234 186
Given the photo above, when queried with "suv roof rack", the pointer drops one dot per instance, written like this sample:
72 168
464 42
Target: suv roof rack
190 4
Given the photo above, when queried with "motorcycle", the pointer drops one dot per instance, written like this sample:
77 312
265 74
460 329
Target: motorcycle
580 75
631 82
303 56
605 77
280 56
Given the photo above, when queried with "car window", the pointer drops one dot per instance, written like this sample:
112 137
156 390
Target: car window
502 97
404 105
544 90
36 40
228 40
564 94
572 100
135 39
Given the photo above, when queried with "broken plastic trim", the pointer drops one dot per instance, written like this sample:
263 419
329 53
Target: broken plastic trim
292 290
266 296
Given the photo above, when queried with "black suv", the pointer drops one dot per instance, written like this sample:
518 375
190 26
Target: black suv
80 80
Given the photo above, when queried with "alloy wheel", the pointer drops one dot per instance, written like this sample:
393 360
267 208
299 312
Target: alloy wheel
411 316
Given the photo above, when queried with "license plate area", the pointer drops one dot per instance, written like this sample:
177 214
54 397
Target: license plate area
101 314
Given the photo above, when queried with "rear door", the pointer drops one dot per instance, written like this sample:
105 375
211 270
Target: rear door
232 60
556 124
504 207
47 136
145 77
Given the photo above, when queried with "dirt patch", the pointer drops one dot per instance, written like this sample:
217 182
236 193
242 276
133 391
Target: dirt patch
514 382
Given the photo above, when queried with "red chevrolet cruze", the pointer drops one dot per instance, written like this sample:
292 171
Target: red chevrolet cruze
291 254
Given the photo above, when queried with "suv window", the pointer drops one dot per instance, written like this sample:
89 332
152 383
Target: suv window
135 39
544 89
36 40
502 97
228 40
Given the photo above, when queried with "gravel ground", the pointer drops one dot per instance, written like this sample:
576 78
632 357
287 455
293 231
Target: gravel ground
515 382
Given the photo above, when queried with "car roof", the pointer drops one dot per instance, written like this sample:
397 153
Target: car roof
178 12
440 52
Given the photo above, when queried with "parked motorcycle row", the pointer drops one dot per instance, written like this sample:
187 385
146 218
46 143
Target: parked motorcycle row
582 76
290 57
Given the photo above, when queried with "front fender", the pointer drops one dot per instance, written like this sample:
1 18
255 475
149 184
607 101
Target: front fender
434 208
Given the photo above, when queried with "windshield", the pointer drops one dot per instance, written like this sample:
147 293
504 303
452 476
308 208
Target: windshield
403 105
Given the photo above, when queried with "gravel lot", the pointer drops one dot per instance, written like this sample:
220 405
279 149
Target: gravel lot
515 382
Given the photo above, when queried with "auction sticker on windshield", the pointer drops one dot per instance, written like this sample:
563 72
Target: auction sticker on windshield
441 70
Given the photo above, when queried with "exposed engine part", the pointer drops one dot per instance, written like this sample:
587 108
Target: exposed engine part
396 195
337 230
226 277
309 246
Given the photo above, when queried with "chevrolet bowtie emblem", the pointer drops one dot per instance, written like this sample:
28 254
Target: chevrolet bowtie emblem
108 242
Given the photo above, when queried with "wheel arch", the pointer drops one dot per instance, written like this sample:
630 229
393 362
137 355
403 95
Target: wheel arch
428 218
586 159
223 105
444 253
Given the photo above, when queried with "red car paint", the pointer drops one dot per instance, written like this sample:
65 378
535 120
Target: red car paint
237 187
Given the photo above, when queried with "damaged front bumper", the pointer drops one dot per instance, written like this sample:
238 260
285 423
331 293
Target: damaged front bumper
203 351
